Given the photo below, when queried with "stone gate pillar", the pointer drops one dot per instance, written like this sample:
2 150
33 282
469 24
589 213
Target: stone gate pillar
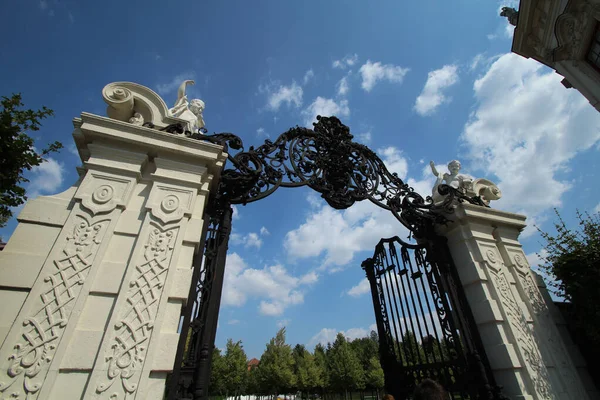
93 279
525 349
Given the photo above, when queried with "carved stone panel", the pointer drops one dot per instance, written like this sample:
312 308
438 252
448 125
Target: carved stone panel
23 373
524 337
169 204
130 336
102 193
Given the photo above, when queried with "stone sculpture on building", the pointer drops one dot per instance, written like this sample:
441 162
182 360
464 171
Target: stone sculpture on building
483 188
511 14
127 102
191 111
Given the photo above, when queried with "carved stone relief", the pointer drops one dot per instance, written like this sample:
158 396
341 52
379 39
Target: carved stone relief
170 204
25 370
548 333
524 337
101 193
125 356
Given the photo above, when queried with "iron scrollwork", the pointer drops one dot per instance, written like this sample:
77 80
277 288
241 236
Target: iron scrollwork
328 161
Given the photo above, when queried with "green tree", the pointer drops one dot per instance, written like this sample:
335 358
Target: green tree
17 151
572 259
411 350
236 368
307 373
276 368
366 348
345 369
217 374
322 368
253 385
374 375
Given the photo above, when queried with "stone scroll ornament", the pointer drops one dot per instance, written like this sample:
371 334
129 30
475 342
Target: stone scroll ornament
42 330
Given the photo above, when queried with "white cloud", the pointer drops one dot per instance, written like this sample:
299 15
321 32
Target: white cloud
536 259
362 288
308 76
260 132
46 178
597 208
476 61
283 323
71 148
347 61
276 289
291 95
339 235
252 240
327 335
71 17
326 108
342 86
310 278
525 130
43 4
248 240
233 321
509 31
173 84
392 157
432 95
264 231
373 72
236 213
364 137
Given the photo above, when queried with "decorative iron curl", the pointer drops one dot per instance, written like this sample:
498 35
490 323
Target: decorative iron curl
328 161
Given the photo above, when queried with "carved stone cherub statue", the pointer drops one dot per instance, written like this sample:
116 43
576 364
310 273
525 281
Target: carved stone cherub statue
191 111
482 188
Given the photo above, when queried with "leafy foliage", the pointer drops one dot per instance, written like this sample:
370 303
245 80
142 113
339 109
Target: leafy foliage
17 151
276 368
307 372
235 368
217 375
342 366
374 374
573 260
346 371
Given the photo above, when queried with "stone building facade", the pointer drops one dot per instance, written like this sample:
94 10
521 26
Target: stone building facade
563 35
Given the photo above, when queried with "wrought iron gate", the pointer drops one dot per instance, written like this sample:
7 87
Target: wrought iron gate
425 326
343 172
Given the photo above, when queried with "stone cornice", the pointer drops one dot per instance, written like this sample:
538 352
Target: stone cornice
90 128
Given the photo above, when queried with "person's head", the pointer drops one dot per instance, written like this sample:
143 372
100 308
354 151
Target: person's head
454 166
430 390
388 397
196 106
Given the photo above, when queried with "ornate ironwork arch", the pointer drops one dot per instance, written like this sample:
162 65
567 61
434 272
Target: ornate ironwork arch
326 160
329 162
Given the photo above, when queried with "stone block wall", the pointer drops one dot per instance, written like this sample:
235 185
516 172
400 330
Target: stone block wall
93 279
527 354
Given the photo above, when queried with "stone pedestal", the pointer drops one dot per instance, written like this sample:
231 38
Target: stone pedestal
93 279
527 354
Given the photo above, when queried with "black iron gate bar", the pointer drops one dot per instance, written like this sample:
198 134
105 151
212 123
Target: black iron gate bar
324 159
461 364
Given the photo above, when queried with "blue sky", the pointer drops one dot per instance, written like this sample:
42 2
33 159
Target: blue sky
415 81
